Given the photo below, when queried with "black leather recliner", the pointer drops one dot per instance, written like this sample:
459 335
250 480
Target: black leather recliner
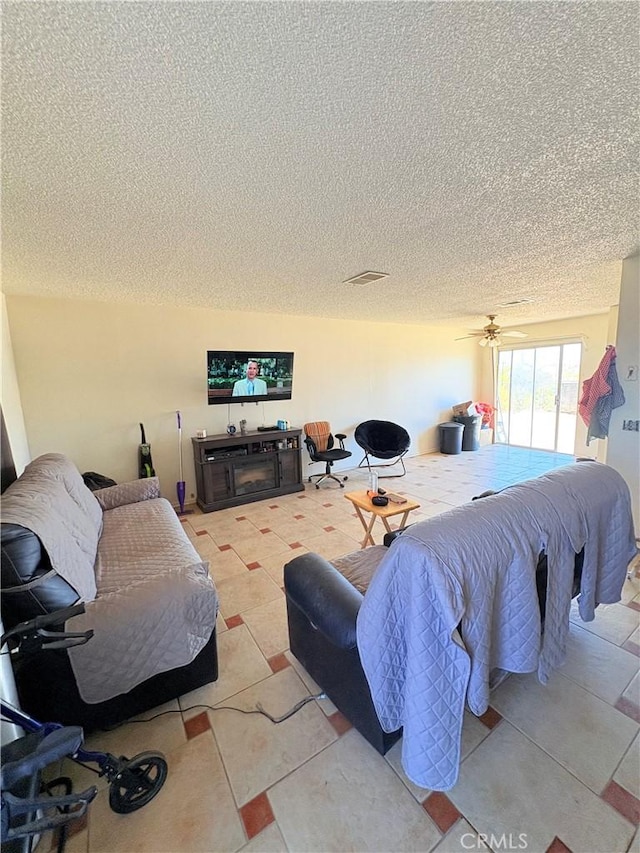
322 608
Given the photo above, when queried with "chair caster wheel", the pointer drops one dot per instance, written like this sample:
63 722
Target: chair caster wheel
341 485
317 486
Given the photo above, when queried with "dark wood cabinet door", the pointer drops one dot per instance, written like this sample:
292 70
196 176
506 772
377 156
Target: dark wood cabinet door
289 467
217 483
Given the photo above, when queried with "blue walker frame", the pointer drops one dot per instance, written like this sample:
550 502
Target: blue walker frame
132 782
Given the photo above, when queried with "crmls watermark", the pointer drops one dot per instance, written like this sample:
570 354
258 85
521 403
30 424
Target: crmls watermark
506 841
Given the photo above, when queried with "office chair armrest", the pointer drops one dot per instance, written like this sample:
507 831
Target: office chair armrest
341 437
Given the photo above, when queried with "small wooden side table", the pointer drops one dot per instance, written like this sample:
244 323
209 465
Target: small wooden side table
362 501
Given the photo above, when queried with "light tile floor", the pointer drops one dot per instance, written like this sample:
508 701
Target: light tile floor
548 768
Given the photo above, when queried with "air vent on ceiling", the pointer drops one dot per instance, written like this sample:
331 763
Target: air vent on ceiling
513 302
366 277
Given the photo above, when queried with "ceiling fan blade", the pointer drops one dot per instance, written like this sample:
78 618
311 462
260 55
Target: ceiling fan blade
514 334
474 335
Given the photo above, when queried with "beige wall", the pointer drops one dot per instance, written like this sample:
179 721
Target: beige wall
12 410
623 452
89 372
593 331
10 398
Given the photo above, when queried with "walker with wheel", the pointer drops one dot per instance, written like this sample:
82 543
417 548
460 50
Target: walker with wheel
133 782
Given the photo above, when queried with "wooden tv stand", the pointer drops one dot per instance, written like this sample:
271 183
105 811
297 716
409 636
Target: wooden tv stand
237 469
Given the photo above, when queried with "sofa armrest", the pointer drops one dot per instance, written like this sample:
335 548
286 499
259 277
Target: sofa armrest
128 493
326 598
30 587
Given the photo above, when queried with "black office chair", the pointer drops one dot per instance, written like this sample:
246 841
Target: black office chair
320 443
382 440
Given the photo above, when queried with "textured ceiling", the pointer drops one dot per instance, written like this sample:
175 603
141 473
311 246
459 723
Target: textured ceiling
236 154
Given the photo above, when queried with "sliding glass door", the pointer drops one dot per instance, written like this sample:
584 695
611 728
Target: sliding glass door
537 396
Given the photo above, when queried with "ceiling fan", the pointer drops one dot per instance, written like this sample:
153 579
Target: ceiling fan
492 333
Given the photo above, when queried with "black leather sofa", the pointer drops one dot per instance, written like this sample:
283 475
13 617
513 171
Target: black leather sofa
322 607
144 578
44 679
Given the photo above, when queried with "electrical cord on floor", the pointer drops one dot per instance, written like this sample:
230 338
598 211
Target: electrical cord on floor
259 709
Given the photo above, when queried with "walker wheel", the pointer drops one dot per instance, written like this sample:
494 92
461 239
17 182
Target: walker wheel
138 781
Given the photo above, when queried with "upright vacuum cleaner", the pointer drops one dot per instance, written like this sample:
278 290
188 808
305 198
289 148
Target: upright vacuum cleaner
145 464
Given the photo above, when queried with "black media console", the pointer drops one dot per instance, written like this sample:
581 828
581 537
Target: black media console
237 469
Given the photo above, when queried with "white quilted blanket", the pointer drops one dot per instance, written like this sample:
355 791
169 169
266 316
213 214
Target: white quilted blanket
474 567
51 499
156 605
592 505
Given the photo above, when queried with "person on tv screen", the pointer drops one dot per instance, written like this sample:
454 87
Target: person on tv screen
252 385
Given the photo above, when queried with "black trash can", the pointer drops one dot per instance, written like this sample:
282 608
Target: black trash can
471 434
451 437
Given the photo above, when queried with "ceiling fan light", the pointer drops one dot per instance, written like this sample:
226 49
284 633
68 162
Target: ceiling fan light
493 342
484 341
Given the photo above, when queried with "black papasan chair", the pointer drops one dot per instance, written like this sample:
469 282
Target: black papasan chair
382 440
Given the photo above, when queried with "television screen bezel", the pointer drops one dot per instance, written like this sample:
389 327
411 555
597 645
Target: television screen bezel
246 355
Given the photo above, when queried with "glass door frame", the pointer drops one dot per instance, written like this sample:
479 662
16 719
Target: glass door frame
535 346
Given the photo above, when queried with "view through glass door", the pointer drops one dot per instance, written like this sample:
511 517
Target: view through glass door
538 396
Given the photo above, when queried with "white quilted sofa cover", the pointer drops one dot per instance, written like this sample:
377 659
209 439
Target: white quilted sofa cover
148 596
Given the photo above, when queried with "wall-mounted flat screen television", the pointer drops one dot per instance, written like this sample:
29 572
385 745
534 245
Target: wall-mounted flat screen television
242 376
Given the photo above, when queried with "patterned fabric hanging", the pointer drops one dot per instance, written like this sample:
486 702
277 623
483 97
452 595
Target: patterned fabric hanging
600 395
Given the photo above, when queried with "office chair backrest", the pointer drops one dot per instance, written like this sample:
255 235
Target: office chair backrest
319 432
